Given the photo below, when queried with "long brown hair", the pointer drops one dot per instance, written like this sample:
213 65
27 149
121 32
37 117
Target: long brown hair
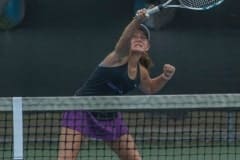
146 61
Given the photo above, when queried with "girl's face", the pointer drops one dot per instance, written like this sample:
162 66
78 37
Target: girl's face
139 42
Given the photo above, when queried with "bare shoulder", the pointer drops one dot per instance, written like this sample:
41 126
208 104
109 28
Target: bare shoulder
113 59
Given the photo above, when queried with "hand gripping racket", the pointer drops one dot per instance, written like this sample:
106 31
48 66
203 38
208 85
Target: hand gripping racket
187 4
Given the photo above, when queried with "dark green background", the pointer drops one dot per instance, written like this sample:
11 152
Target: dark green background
59 43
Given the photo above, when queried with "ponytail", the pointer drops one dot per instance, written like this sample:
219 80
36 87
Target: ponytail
146 61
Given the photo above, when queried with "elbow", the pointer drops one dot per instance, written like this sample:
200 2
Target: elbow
146 91
153 90
149 88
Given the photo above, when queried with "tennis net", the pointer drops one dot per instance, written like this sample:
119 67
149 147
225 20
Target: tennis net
164 127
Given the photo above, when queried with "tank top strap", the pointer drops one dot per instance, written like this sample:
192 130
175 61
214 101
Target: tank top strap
138 78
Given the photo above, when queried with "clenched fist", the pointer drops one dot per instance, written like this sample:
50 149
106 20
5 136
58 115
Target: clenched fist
168 71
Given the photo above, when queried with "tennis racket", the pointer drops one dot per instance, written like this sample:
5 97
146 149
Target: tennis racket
187 4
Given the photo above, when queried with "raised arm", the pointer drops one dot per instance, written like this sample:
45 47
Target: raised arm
123 44
152 85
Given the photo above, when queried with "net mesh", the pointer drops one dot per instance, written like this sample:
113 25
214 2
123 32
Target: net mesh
5 135
173 127
204 4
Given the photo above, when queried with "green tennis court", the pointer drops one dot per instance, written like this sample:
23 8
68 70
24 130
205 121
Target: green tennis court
152 153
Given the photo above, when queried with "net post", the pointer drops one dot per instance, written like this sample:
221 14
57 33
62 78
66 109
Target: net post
17 128
231 127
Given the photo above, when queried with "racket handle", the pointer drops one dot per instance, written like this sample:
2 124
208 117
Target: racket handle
152 10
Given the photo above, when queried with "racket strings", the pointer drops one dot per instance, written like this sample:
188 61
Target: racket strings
200 3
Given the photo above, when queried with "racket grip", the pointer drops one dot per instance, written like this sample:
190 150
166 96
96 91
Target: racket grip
152 10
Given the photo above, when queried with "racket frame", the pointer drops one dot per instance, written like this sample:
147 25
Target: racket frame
181 5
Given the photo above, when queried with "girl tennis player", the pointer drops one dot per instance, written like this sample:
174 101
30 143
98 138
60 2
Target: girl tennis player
125 68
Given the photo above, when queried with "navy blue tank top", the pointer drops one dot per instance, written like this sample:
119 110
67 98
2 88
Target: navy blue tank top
109 81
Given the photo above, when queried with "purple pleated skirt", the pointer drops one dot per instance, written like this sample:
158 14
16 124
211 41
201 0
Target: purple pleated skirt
88 125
